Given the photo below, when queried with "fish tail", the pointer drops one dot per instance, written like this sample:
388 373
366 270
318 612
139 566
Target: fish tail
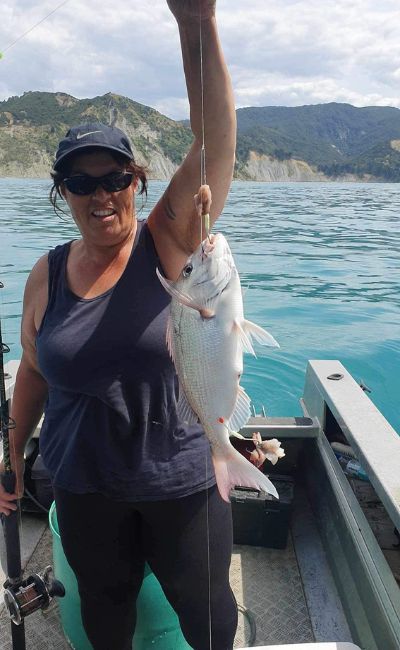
234 469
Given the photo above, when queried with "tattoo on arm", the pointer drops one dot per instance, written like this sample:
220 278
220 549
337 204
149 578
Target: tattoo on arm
167 206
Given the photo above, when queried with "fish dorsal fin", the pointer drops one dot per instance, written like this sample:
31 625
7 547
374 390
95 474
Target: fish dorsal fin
184 410
241 413
259 334
245 340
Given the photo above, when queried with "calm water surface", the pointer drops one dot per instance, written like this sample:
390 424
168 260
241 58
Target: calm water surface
321 263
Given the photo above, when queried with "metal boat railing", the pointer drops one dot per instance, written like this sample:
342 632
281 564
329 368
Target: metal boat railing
366 584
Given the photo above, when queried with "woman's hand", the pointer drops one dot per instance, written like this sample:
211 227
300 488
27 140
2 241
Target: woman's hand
190 9
7 501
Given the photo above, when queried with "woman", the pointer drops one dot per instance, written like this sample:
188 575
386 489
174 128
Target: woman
132 483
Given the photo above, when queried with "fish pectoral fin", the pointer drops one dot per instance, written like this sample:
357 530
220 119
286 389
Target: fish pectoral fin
259 334
243 337
181 297
170 339
241 412
205 312
184 410
235 434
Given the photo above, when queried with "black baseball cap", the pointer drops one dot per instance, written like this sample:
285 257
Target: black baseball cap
90 136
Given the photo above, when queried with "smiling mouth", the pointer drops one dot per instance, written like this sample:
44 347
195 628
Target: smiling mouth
106 215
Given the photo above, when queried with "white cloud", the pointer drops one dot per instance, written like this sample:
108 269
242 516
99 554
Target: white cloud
286 52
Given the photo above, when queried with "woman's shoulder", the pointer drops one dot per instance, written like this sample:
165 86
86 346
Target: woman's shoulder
40 270
37 282
35 296
39 275
59 251
48 262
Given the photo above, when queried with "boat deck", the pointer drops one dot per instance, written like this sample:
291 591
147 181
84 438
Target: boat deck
280 590
290 596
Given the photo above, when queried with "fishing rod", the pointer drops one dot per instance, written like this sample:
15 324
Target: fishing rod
22 596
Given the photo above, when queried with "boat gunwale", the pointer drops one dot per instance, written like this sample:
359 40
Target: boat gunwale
374 441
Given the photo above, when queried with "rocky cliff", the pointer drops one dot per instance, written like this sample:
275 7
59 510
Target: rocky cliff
305 143
264 168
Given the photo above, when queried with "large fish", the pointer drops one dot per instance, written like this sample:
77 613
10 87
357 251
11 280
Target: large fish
206 336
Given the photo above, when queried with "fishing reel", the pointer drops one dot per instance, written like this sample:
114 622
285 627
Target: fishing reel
33 593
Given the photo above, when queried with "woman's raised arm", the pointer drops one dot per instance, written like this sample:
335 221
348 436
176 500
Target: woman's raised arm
174 223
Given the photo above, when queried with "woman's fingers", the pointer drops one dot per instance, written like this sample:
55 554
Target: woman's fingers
202 200
257 457
7 502
7 499
7 511
192 8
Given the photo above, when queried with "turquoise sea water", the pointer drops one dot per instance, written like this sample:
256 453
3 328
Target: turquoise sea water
321 263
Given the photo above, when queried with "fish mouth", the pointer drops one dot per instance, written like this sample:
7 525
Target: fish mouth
207 246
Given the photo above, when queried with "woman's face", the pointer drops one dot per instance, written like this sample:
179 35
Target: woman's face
103 218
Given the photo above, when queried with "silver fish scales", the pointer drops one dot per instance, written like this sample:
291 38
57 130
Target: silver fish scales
206 336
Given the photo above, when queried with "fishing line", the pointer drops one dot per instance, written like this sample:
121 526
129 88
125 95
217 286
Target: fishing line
203 172
203 181
21 36
208 556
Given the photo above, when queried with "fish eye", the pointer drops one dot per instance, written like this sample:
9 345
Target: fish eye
187 270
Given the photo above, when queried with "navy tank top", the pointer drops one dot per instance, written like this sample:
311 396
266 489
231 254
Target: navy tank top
111 424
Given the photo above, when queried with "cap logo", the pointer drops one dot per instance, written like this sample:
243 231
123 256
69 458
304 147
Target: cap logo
83 135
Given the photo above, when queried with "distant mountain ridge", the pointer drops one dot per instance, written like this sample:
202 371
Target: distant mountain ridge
334 138
32 125
316 142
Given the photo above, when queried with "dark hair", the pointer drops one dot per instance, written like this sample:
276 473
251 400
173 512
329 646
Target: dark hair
138 171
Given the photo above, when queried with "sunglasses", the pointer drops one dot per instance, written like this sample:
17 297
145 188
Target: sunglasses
84 185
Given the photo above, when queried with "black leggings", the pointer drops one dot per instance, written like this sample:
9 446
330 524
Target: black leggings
107 542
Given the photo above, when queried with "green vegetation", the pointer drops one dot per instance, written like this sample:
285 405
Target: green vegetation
380 162
32 125
333 138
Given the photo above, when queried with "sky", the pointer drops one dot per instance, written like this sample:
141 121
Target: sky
279 52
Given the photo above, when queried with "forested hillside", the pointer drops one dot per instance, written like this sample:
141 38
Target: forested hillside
318 142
